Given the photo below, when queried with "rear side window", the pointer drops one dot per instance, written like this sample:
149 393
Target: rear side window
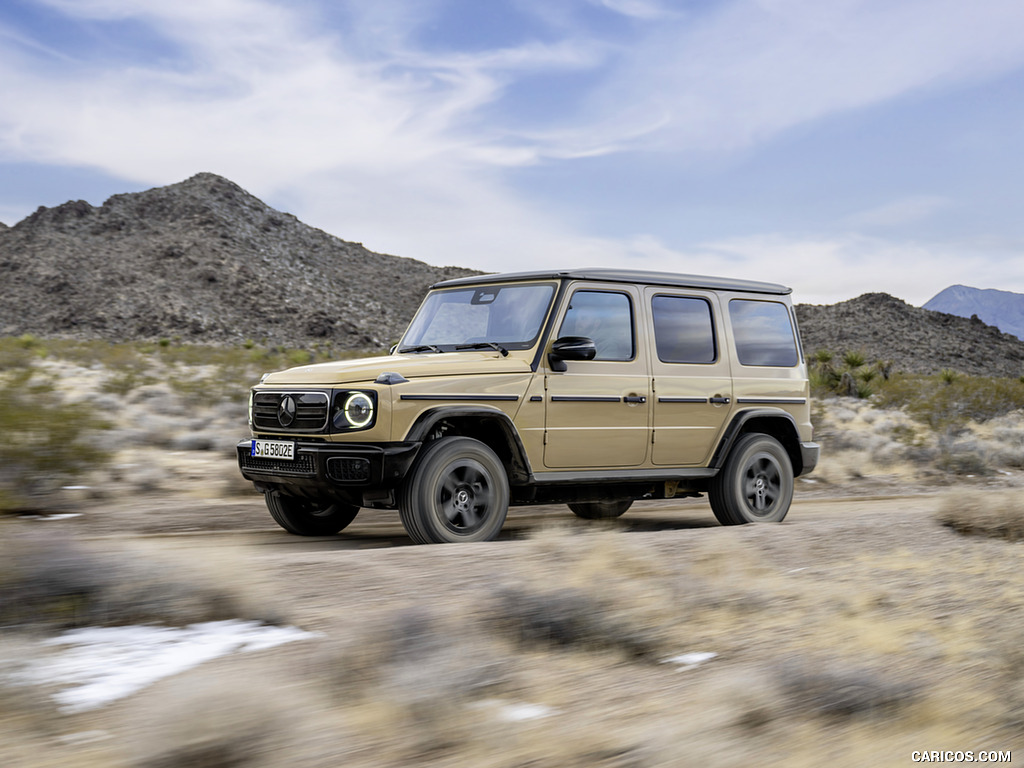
683 331
763 331
606 318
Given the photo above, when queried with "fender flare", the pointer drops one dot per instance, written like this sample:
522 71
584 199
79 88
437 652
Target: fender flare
519 468
736 428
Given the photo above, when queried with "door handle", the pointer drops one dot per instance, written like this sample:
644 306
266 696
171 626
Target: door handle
635 399
719 400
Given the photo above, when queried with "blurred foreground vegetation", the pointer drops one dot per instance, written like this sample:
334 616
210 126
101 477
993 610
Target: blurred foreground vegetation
53 431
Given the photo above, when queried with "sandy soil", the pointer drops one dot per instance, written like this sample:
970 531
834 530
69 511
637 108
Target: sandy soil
856 632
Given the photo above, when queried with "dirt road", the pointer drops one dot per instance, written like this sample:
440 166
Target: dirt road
853 633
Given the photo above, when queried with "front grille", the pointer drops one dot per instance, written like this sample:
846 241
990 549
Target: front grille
345 470
304 464
303 411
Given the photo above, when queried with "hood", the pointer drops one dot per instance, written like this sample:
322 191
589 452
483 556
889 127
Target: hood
411 366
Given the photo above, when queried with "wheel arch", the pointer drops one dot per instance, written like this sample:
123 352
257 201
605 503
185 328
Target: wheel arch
773 422
490 426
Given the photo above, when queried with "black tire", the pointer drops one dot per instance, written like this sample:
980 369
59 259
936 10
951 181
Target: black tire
600 510
755 485
306 517
456 491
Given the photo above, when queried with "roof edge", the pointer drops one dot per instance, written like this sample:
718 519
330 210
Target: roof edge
608 275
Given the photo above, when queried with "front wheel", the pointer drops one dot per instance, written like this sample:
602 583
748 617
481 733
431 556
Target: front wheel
755 485
600 510
457 491
306 517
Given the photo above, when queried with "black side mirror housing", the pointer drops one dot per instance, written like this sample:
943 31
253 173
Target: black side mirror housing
570 348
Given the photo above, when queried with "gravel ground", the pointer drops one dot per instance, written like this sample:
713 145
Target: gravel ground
857 631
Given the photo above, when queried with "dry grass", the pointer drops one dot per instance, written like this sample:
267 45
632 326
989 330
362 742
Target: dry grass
999 517
861 441
831 650
51 582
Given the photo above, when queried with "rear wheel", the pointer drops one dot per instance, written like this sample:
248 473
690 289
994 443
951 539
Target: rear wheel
306 517
457 491
755 485
600 510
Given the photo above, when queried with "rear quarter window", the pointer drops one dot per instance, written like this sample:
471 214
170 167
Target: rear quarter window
763 333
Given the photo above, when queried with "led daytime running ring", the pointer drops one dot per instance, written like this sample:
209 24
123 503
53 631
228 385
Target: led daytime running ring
359 399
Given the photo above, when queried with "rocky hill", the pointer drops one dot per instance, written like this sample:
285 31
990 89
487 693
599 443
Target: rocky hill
1003 309
915 339
205 261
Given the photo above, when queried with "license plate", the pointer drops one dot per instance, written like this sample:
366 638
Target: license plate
273 449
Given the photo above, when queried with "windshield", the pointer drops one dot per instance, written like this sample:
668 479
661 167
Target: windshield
478 316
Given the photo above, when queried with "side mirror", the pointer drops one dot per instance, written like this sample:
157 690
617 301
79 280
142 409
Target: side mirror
570 348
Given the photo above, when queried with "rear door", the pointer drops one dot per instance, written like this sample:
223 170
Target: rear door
691 376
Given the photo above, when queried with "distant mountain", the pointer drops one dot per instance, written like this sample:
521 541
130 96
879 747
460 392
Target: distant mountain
914 339
204 260
1003 309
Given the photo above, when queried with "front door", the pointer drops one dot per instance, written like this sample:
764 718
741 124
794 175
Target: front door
597 412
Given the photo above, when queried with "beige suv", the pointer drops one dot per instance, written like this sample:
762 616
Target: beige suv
592 387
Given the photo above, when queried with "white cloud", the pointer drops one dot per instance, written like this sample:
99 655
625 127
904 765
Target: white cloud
908 210
827 270
638 9
749 69
358 131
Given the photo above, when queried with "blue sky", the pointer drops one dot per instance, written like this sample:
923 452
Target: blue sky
839 147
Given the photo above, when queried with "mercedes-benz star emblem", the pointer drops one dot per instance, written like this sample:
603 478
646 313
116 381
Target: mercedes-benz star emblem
286 411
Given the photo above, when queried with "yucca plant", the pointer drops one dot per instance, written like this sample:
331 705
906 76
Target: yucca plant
854 359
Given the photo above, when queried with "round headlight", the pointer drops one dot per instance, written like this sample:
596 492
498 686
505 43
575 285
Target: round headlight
358 410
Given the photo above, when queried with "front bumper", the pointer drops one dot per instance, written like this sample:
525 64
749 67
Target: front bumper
332 465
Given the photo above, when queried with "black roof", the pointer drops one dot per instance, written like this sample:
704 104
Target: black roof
625 276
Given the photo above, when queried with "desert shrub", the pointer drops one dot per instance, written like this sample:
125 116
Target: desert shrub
54 582
866 375
832 691
1000 517
1009 437
123 381
417 673
223 722
567 618
941 404
15 354
417 656
46 442
854 359
823 380
852 379
963 459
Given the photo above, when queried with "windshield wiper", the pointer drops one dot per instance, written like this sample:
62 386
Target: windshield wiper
481 345
422 348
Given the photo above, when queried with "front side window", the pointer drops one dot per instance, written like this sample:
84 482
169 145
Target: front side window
604 317
683 331
763 331
508 315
